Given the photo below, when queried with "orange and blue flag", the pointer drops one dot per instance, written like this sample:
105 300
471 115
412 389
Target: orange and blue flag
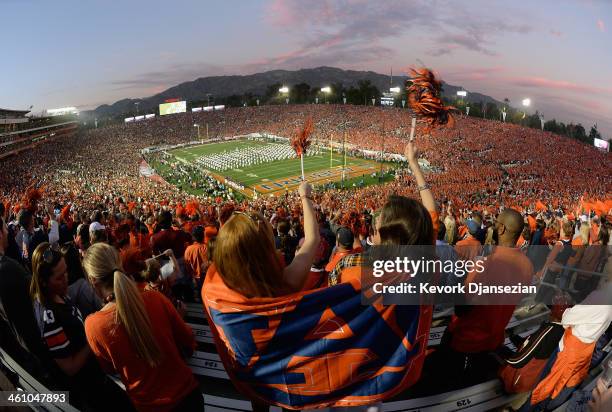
316 348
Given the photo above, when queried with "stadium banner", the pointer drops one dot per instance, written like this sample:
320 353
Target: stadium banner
208 108
172 108
149 116
602 144
316 348
139 118
219 107
196 109
128 119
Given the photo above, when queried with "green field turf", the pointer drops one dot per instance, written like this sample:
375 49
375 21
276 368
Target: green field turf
272 171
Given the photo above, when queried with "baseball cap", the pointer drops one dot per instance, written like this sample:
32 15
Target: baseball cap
345 237
472 226
95 226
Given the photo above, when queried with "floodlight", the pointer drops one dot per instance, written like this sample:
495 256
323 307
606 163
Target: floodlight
526 102
395 89
326 89
461 93
284 89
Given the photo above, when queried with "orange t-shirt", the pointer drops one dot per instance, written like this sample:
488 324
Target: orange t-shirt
195 257
150 389
483 327
468 248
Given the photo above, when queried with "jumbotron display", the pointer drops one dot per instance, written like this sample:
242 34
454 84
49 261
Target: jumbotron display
601 144
172 108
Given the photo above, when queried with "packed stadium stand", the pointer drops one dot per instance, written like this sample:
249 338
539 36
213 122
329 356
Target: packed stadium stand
130 293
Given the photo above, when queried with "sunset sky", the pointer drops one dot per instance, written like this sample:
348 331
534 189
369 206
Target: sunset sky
86 53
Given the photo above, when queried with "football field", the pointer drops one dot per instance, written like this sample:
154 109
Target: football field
277 175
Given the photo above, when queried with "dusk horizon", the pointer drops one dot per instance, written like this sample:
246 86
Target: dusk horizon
554 53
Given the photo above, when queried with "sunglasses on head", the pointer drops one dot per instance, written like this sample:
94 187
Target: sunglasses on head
48 254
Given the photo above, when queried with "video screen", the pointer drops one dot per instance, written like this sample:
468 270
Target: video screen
601 144
172 108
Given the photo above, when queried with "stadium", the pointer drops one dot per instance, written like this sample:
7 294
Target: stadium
168 161
312 239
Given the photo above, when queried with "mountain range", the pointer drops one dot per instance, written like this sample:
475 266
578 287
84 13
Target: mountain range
256 84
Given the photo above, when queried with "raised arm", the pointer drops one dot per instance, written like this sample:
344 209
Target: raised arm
298 270
411 153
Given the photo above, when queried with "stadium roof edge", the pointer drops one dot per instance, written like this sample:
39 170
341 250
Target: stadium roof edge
14 111
51 126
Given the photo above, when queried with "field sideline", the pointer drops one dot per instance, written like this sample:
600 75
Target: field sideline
279 175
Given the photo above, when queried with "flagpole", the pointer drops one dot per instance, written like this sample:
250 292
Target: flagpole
344 150
331 151
302 164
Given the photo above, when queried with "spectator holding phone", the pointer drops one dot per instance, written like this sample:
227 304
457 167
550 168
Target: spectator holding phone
161 278
148 359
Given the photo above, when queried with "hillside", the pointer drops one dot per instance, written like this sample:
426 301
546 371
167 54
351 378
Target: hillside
256 84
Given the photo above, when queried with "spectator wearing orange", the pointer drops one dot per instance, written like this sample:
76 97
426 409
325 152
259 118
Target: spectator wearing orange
149 360
475 331
344 247
469 247
196 256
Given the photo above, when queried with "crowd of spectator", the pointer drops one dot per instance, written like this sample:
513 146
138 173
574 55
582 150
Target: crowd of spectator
98 260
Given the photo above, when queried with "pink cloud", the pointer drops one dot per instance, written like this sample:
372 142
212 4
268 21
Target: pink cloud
281 13
556 33
601 25
542 82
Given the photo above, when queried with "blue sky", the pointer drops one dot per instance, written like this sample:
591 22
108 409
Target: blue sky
85 53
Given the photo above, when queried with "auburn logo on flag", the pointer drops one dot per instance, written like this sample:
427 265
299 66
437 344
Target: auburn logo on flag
316 348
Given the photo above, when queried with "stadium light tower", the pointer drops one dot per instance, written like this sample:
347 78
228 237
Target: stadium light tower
462 94
326 90
526 104
285 90
198 127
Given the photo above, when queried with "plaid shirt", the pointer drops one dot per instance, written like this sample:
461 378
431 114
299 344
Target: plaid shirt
346 262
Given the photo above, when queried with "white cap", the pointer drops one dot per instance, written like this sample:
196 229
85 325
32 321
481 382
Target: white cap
95 226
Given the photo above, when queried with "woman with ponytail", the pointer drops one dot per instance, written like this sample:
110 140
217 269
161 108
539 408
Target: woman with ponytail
61 328
121 335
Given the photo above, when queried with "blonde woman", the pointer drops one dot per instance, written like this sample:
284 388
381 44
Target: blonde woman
149 360
61 328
